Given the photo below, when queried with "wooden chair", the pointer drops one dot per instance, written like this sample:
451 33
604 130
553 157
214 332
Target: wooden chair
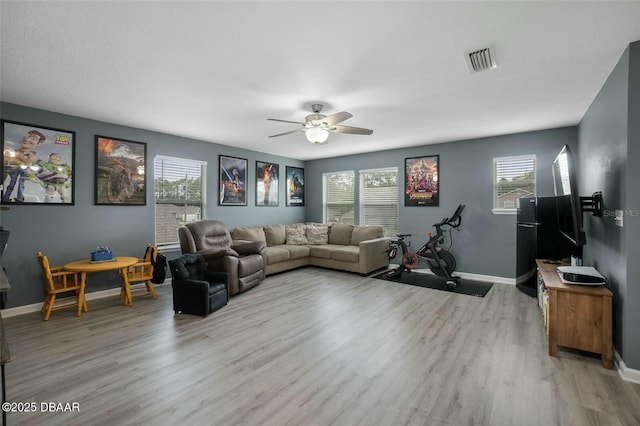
60 281
142 272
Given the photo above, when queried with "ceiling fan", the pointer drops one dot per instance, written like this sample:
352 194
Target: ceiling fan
317 126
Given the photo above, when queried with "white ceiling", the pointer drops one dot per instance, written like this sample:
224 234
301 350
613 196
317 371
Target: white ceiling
215 71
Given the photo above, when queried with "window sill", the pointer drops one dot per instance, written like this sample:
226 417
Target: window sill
169 247
505 211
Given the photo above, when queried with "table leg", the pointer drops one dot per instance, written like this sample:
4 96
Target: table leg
127 288
82 300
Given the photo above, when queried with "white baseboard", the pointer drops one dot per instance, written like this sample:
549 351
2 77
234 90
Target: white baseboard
35 307
628 374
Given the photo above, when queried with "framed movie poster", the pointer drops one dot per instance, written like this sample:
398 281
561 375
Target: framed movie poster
120 176
295 186
233 181
38 164
266 184
421 181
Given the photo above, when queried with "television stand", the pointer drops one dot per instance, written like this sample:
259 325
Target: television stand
578 316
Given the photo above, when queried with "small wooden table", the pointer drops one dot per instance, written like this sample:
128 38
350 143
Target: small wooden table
121 262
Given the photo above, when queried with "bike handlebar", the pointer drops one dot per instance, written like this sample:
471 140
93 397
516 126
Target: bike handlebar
454 221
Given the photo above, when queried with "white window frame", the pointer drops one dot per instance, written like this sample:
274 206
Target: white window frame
496 161
324 192
203 208
389 232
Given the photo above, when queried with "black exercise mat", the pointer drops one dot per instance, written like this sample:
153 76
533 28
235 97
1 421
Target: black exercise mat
468 287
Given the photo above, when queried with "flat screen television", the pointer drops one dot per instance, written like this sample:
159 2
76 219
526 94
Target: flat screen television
568 204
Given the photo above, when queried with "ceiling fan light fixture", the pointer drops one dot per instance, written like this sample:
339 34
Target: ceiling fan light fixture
317 135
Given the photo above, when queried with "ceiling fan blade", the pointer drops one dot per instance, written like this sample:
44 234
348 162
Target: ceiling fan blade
286 133
352 130
285 121
336 118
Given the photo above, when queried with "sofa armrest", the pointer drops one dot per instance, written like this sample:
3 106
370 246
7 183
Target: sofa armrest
373 254
254 247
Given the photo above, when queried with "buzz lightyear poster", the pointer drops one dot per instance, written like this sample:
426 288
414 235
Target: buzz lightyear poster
38 164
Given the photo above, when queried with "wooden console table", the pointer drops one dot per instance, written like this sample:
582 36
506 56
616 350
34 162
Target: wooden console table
579 316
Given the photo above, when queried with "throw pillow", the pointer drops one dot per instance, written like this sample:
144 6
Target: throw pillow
296 235
318 234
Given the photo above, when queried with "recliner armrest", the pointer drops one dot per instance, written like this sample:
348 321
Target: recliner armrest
254 247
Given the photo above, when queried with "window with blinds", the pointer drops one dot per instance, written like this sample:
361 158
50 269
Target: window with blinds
338 197
514 177
179 195
379 199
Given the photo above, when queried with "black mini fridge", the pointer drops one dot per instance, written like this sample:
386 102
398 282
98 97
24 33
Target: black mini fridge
538 237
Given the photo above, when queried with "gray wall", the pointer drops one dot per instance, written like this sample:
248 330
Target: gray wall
632 317
609 151
486 243
67 233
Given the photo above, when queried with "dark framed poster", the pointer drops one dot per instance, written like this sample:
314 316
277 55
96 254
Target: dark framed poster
421 181
120 175
38 164
267 184
233 181
295 186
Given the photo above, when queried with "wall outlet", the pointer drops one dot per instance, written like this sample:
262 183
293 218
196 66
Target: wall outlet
618 220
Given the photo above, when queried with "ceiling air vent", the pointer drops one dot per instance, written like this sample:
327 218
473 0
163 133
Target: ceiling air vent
481 59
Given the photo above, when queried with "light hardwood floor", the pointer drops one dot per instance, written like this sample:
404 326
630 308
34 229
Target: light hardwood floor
312 347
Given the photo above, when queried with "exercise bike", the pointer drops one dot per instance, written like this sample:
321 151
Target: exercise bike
439 260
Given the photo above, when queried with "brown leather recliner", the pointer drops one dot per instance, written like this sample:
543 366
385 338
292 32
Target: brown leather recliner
245 263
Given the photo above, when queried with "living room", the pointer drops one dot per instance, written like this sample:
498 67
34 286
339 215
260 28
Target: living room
604 140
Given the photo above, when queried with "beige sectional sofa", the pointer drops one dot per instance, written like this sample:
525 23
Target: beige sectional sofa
339 246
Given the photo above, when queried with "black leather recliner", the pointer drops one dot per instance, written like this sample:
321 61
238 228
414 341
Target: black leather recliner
195 290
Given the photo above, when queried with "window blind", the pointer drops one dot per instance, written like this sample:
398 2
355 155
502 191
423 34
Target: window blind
179 195
338 197
514 177
379 199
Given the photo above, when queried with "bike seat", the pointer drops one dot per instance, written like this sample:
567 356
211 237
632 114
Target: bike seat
403 235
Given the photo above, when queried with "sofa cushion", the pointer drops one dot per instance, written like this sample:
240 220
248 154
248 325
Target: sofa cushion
340 233
275 234
249 233
363 233
276 254
297 252
317 234
296 235
346 254
323 251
